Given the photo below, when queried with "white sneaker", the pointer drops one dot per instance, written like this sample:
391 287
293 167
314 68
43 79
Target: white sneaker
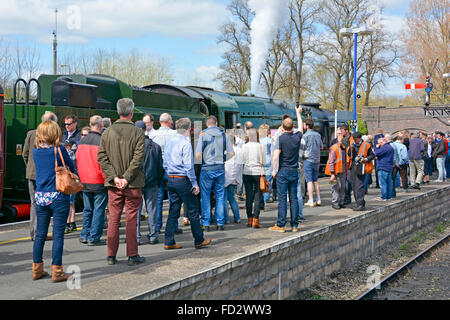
318 203
310 204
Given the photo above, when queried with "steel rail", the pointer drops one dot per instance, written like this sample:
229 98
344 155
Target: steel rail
395 274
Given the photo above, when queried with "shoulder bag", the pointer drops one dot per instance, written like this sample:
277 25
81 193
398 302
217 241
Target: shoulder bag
263 183
66 181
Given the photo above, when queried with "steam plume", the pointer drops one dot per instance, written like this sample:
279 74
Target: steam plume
268 18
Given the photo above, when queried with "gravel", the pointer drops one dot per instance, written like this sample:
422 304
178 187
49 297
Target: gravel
352 282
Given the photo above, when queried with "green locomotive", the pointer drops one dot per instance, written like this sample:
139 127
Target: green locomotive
88 95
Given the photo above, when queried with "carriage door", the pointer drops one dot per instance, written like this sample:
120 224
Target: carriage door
231 118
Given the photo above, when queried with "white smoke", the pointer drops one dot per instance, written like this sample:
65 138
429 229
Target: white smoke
268 18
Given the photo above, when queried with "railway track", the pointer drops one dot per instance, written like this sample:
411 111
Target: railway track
395 275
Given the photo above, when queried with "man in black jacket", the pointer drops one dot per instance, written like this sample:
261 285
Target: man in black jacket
361 155
154 175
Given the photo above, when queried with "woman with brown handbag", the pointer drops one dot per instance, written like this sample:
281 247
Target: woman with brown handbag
49 155
253 158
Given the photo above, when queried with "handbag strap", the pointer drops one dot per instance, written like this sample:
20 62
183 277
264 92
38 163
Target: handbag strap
62 158
260 158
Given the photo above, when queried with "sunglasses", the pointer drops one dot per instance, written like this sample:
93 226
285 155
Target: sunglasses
68 124
84 135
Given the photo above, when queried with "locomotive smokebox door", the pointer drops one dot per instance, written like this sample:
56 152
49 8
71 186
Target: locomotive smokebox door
67 93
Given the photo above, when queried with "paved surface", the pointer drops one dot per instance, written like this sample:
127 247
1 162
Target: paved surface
162 266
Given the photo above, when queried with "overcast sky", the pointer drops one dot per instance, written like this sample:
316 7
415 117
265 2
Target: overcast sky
184 31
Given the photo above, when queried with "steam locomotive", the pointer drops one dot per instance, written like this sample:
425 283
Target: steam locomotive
88 95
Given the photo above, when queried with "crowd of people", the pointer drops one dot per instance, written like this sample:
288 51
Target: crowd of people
124 166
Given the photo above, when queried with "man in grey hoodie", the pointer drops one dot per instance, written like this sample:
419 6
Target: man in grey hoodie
213 149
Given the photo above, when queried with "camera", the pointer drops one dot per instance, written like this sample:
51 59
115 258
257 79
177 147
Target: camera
358 159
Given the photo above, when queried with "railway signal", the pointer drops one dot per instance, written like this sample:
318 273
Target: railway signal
410 86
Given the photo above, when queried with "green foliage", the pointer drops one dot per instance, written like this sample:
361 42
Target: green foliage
362 127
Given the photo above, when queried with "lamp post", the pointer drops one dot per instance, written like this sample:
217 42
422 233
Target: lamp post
348 32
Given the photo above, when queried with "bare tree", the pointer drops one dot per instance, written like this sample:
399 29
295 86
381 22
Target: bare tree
297 41
427 39
380 57
5 66
234 76
334 50
131 67
236 34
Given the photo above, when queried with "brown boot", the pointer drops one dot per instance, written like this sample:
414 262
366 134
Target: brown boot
255 223
250 222
58 274
37 271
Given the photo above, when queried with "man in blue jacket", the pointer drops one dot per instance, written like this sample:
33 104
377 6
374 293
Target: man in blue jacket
385 163
154 175
213 149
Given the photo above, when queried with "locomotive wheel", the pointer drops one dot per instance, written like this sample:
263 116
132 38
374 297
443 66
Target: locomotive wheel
8 213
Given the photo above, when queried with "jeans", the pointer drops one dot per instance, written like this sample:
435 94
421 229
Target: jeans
160 204
440 163
266 195
230 197
93 215
367 181
447 165
287 181
180 192
385 180
150 195
253 196
31 189
59 209
428 166
348 190
300 197
212 179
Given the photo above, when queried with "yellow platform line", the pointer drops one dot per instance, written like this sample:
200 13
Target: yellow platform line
51 234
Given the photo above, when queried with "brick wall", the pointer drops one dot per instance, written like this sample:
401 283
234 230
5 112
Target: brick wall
396 119
281 270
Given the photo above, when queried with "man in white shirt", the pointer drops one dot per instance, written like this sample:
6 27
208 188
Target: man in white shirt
148 120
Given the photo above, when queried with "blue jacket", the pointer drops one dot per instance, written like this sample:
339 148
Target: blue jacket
215 147
401 153
385 157
44 159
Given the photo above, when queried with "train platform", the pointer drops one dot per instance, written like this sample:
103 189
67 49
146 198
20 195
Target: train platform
224 269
